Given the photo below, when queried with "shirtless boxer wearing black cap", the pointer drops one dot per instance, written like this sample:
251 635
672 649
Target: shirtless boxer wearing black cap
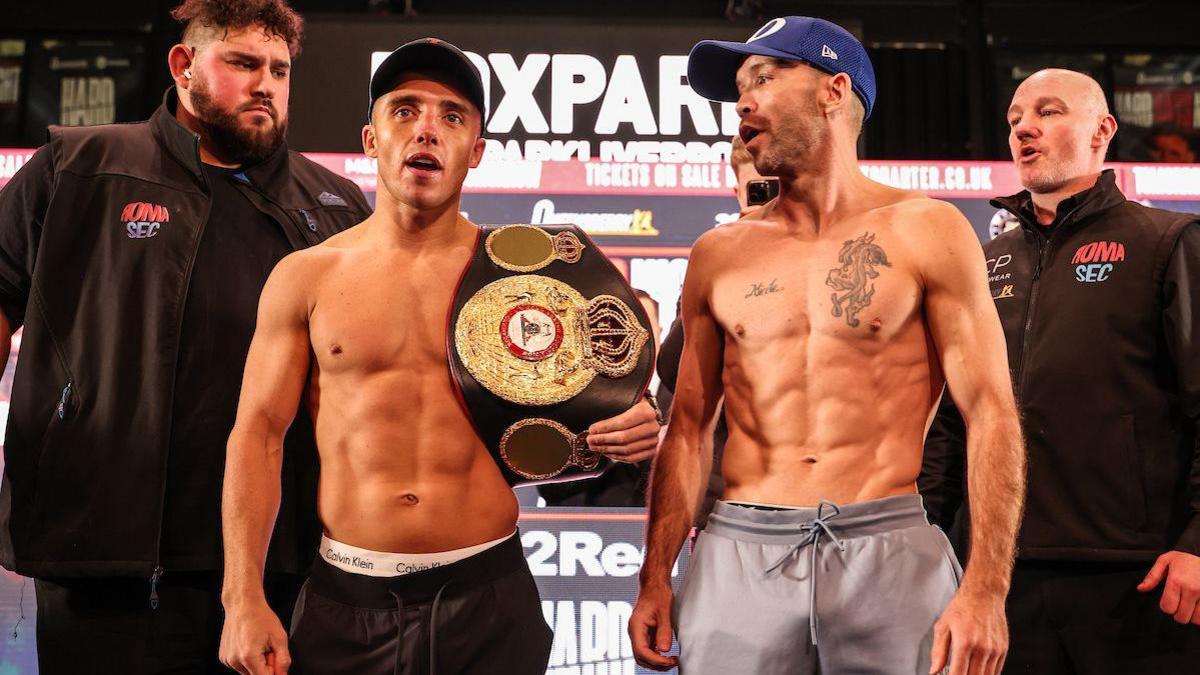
420 569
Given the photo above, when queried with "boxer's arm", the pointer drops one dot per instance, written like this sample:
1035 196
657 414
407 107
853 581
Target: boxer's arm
972 632
680 472
971 348
681 469
276 369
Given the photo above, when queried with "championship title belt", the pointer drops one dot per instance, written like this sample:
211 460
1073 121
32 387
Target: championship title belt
545 338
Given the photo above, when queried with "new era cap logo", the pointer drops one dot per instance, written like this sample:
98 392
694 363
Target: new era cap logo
828 53
773 26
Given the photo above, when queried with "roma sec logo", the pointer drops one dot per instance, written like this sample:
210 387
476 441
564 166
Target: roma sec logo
142 219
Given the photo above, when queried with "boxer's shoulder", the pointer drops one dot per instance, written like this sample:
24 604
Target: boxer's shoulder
910 232
718 246
304 269
348 238
905 206
921 218
346 248
712 241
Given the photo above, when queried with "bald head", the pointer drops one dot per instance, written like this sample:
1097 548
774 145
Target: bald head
1078 89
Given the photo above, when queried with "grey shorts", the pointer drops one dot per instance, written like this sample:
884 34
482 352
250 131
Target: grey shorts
850 589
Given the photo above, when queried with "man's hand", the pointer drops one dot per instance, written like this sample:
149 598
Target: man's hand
650 628
253 641
973 633
630 437
1181 594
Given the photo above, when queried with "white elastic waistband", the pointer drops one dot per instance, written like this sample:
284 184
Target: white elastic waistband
379 564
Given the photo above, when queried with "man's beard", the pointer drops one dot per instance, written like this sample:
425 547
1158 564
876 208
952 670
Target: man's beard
231 141
1047 179
793 140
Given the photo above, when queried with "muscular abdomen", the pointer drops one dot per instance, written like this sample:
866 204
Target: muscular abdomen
825 414
402 470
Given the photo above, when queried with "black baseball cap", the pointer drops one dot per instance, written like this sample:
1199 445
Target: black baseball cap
427 54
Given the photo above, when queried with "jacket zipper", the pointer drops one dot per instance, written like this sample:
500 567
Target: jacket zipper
159 571
64 399
1044 247
312 224
154 577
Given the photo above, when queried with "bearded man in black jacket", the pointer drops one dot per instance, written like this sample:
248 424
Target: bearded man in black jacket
1099 298
133 255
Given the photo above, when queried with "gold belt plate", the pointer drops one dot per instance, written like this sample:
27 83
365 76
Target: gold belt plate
535 340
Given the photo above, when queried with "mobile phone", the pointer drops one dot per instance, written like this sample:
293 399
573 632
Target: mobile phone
759 192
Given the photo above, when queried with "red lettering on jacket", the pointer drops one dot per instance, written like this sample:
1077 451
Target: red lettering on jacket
145 212
1099 251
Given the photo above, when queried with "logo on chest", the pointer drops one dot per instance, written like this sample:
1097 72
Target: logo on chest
143 219
1095 262
997 274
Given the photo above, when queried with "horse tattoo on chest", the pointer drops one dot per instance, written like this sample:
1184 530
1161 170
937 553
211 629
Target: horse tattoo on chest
851 283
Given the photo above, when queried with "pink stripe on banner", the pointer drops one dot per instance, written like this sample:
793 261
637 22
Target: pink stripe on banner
977 180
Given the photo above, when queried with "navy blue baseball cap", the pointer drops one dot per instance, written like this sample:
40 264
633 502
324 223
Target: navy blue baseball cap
713 64
427 54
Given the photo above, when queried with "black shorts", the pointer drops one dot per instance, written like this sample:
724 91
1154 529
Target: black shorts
479 615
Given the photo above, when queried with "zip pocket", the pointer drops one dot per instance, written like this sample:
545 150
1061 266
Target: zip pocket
154 579
64 401
63 408
308 219
1137 471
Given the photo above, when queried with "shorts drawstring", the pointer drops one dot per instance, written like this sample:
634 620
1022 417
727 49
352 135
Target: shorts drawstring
812 531
399 629
433 628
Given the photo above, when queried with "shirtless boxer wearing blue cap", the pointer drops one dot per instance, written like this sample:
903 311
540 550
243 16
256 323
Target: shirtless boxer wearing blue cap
828 321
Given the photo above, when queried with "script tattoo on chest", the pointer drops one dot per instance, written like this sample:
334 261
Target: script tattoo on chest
759 289
851 283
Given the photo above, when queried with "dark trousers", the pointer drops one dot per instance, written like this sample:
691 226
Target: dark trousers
478 616
1078 618
105 625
